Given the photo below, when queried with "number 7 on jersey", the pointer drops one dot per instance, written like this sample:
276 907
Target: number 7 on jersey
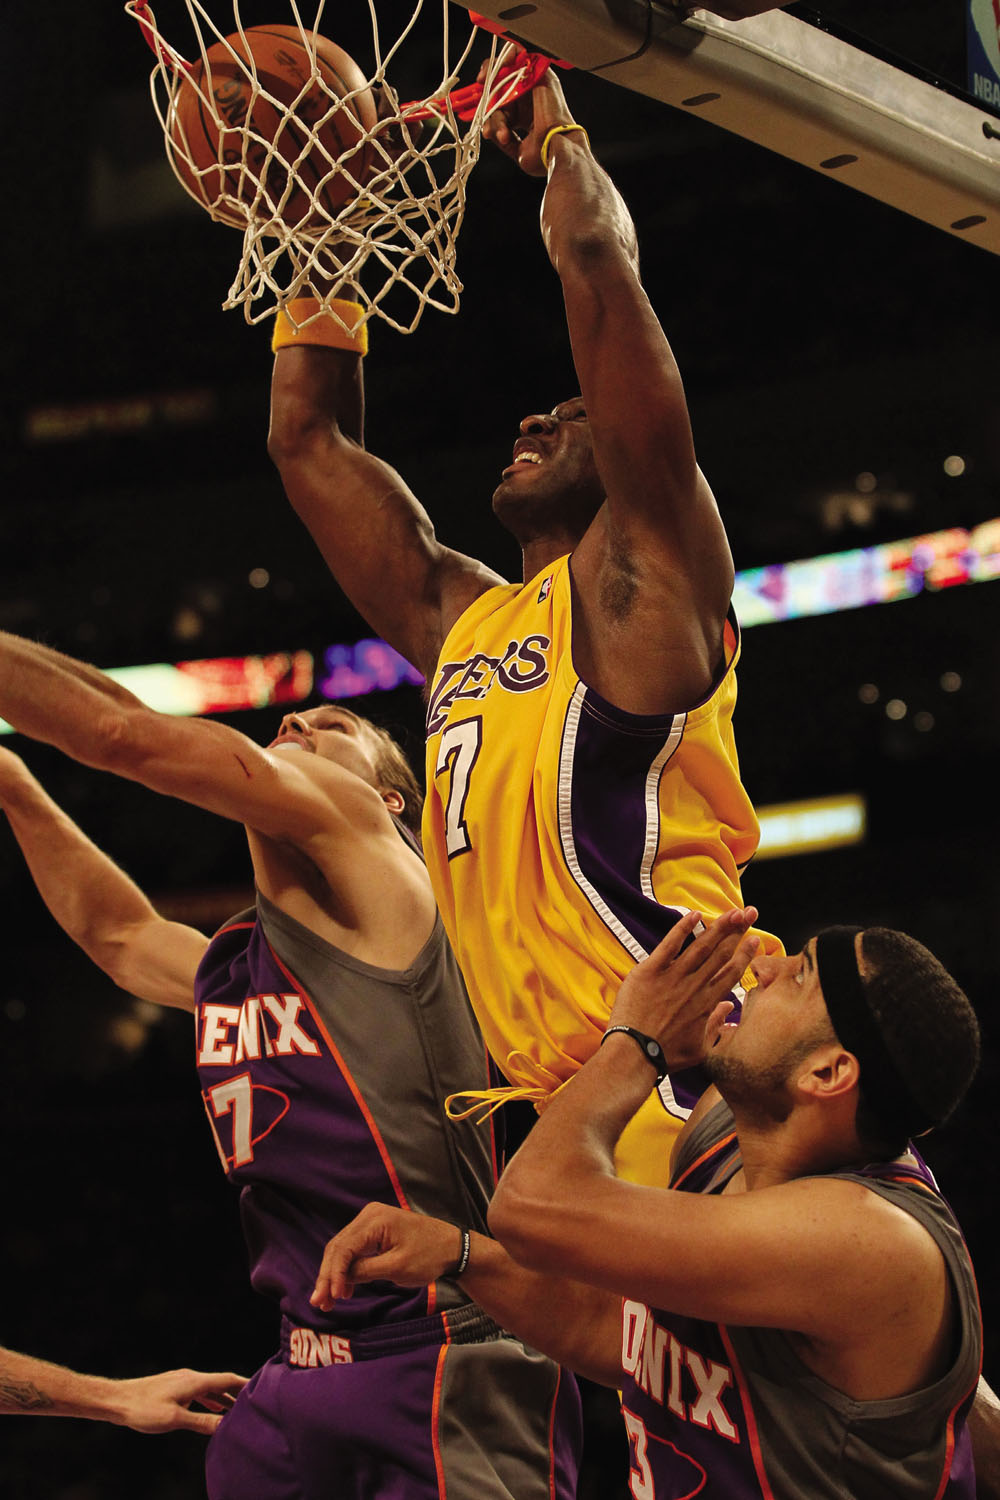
458 751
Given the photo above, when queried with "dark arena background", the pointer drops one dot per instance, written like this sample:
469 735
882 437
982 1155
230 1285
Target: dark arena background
840 360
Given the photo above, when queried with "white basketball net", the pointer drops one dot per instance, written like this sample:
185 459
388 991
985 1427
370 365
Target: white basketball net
392 243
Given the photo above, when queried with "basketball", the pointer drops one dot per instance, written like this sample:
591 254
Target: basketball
234 140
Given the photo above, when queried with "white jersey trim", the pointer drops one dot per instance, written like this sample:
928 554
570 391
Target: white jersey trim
571 727
653 804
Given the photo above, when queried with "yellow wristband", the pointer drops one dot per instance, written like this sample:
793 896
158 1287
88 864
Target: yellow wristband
558 130
325 331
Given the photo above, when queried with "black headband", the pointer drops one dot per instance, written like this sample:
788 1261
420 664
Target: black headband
883 1087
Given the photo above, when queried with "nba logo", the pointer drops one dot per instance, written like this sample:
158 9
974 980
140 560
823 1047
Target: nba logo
545 590
984 51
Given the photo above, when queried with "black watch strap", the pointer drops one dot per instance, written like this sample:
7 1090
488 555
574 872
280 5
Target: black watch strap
650 1047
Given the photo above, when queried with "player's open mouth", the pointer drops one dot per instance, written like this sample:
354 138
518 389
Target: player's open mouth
522 459
726 1026
291 737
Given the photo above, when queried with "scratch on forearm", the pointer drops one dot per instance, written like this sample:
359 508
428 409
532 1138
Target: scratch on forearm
244 768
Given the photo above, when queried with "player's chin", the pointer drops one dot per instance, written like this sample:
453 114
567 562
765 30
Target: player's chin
509 500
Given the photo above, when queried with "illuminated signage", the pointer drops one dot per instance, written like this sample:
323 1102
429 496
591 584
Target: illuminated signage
805 827
869 575
762 596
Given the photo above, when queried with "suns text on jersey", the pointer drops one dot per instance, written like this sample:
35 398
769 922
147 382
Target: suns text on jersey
523 667
693 1388
263 1026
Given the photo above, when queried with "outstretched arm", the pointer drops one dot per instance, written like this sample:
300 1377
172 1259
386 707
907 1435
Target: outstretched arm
153 1403
375 536
654 573
95 902
579 1326
93 719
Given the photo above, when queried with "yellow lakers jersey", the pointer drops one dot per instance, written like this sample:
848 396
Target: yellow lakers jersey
564 837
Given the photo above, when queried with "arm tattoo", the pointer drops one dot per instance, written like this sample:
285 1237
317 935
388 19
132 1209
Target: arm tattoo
21 1395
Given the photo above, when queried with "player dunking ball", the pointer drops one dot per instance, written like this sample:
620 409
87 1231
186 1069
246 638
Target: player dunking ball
331 1024
583 786
797 1319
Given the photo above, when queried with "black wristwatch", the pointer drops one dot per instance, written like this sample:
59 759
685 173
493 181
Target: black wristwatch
650 1047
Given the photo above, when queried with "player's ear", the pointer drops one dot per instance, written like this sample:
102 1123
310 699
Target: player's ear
829 1072
394 800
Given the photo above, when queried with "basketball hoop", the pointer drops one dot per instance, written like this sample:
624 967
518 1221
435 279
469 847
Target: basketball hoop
376 220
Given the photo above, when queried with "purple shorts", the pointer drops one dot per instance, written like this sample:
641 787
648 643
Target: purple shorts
485 1420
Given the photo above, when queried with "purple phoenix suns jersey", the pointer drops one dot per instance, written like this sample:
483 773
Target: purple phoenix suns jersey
324 1081
722 1412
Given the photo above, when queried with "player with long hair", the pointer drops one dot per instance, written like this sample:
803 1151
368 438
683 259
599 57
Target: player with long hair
331 1023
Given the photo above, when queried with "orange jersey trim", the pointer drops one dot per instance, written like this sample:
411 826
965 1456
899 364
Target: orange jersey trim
552 1435
435 1424
705 1156
369 1118
748 1415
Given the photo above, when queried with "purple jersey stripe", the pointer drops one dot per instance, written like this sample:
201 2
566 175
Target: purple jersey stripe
609 776
610 767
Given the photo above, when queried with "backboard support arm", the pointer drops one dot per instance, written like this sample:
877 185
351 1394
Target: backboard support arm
794 89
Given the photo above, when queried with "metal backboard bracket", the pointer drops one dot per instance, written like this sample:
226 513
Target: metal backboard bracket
795 90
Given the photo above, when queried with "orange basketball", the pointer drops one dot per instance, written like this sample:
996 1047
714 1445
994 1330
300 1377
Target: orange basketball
220 143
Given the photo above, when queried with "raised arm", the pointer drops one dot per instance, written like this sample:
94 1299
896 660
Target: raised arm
63 702
654 573
711 1258
657 499
152 1403
714 1257
375 536
95 902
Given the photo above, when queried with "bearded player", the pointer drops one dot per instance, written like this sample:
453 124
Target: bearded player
797 1318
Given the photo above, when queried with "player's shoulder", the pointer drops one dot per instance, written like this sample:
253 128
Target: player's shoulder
470 605
881 1227
433 601
464 583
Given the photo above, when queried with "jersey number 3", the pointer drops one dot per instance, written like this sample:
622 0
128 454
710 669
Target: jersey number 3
458 752
640 1479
